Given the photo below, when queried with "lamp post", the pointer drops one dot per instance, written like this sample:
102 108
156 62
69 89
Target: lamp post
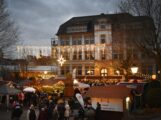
153 77
134 69
118 72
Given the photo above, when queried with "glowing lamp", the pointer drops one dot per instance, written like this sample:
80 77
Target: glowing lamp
134 69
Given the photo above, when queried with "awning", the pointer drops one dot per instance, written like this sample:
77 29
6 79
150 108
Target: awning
5 89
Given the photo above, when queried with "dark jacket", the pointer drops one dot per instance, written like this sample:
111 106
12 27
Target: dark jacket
17 112
32 114
43 115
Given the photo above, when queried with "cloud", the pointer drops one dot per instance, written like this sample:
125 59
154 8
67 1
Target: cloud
39 20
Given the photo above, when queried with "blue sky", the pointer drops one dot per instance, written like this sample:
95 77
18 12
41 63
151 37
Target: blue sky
39 20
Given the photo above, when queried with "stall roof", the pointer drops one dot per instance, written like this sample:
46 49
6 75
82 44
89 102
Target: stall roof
111 91
49 82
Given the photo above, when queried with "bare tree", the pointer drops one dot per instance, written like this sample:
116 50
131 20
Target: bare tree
8 29
152 39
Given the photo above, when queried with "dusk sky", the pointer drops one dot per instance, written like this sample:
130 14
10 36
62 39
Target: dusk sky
39 20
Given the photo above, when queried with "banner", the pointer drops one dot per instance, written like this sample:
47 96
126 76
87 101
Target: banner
80 99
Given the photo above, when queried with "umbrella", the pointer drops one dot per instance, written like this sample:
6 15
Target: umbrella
29 89
5 89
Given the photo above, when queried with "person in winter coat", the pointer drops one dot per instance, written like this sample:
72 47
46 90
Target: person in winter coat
31 114
60 108
67 111
98 110
17 112
43 114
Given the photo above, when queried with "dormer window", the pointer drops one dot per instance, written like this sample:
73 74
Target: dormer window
74 29
102 23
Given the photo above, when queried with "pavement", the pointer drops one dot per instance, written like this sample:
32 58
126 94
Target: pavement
6 115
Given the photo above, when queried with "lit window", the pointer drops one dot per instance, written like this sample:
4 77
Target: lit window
104 72
89 70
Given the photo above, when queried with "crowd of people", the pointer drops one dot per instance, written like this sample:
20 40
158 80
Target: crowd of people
102 82
53 107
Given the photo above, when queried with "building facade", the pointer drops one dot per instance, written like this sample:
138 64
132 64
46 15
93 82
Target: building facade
95 45
24 51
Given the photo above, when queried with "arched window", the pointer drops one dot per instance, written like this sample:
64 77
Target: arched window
103 72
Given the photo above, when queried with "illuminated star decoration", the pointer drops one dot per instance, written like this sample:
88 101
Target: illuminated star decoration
61 60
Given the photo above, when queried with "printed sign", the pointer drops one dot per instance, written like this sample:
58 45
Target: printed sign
108 104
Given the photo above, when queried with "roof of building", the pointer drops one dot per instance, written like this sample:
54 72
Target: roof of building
111 91
91 20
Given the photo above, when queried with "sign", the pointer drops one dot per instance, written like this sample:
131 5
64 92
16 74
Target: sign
108 104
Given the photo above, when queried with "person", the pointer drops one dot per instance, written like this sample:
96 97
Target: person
98 109
16 112
42 114
89 110
50 110
67 111
31 114
60 108
21 97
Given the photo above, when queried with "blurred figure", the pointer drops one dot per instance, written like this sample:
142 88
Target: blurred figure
31 114
98 109
42 114
67 111
50 110
16 112
60 108
89 110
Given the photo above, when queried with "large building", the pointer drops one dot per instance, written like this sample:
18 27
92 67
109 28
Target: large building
37 51
96 45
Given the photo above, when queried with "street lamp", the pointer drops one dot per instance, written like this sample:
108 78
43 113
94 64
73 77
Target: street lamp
45 72
75 81
118 72
134 69
153 77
